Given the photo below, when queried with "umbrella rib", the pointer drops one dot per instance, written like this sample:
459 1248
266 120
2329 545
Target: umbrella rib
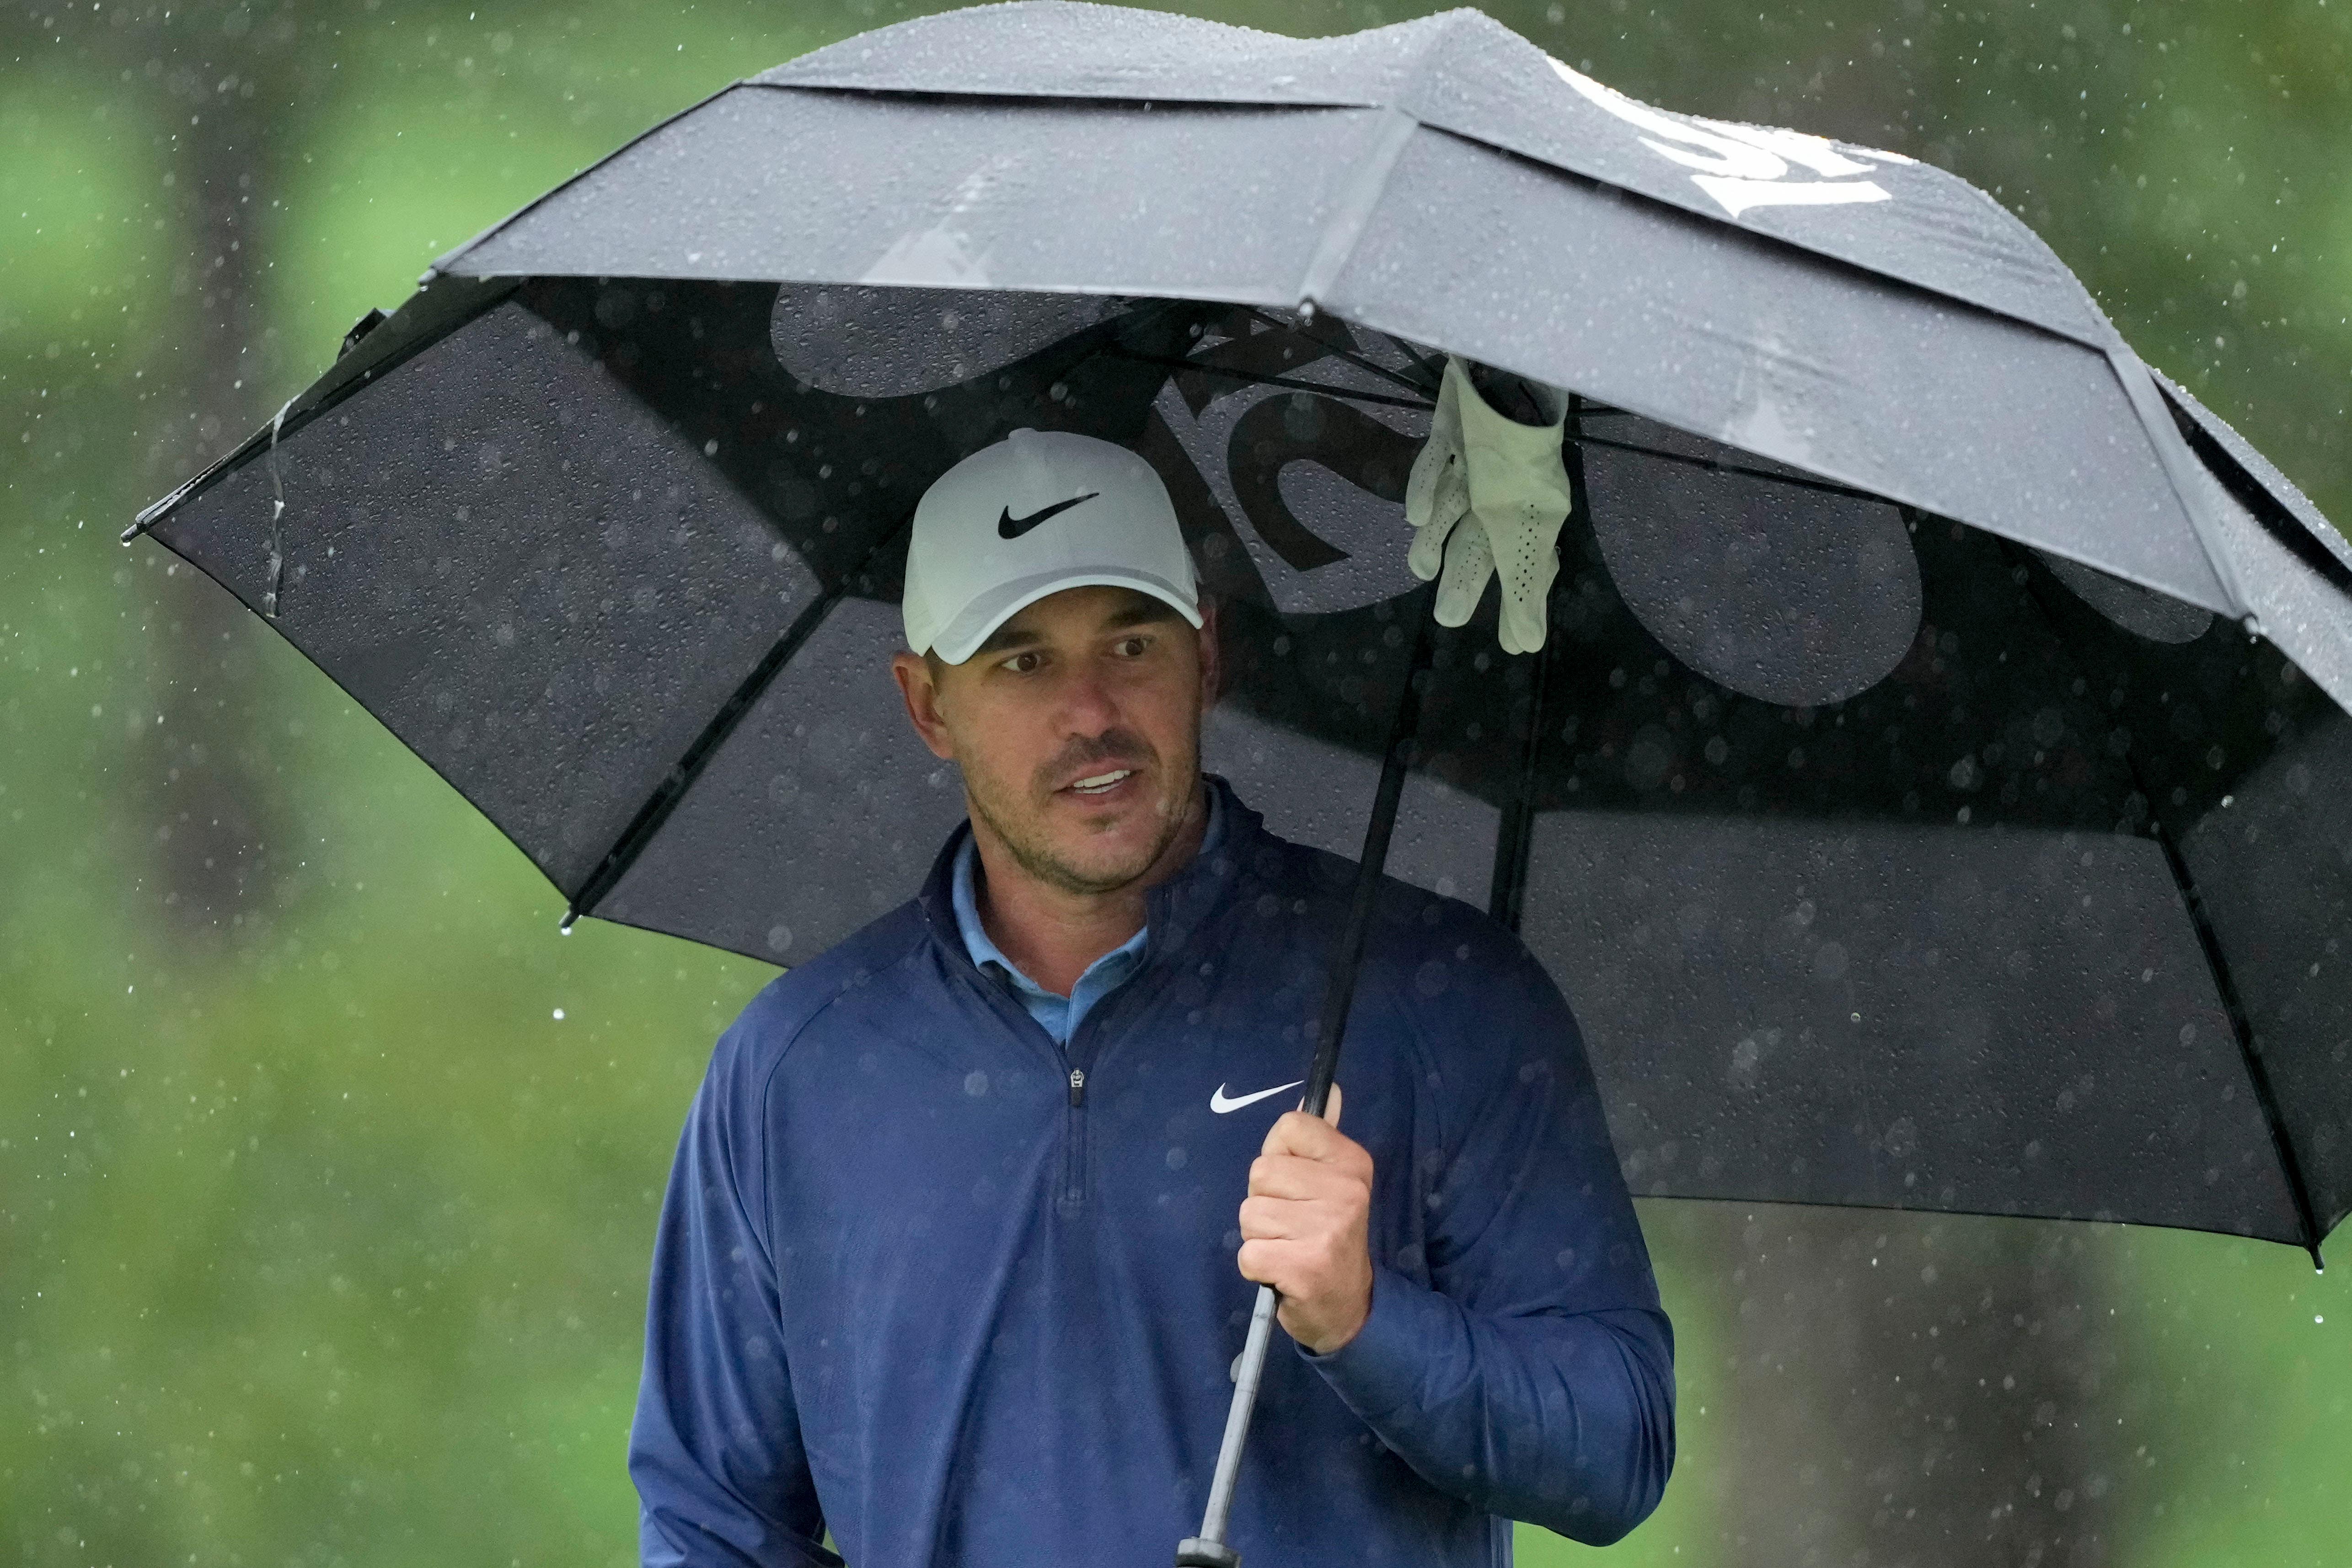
1348 354
1413 352
1515 833
1828 487
2265 509
2175 459
2241 1027
658 807
1590 411
2209 942
1292 381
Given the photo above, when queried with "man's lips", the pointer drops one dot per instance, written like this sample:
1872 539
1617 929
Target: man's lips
1102 781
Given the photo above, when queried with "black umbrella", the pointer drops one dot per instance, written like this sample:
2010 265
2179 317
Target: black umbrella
1928 795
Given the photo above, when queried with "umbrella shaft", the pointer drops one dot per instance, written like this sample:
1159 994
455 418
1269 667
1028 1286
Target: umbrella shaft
1246 1373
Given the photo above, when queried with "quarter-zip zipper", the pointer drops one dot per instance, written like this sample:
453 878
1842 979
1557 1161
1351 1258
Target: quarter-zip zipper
1071 1195
1074 1157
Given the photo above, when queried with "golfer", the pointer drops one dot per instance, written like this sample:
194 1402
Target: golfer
957 1252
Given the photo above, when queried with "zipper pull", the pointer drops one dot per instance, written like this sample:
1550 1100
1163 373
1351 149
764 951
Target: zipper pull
1077 1087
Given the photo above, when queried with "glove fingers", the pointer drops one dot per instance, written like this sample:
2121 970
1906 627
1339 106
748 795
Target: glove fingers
1469 562
1526 588
1437 489
1527 560
1427 557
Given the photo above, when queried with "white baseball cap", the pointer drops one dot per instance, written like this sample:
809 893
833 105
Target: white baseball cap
1040 511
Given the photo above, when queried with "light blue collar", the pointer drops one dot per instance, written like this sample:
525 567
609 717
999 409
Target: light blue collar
1057 1015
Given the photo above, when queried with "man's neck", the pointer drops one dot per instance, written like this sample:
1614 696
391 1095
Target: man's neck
1052 934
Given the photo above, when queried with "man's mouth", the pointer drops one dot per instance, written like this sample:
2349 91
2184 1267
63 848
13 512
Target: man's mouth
1101 783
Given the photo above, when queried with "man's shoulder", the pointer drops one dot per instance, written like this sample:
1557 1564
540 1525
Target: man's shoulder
1457 989
788 1005
1411 925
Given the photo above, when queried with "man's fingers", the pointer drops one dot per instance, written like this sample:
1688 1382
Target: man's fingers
1284 1262
1330 1105
1274 1220
1291 1176
1313 1138
1267 1262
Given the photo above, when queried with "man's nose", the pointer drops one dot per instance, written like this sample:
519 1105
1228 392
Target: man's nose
1089 703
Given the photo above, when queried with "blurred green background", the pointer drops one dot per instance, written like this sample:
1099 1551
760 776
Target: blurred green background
328 1171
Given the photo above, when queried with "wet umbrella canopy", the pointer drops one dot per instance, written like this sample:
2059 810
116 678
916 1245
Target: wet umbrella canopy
1924 795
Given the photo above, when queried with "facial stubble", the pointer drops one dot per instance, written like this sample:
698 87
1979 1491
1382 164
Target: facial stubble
1020 832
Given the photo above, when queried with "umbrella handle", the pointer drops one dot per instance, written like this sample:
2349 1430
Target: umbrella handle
1208 1549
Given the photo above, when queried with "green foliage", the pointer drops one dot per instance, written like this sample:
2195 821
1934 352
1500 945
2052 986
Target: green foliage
73 174
447 125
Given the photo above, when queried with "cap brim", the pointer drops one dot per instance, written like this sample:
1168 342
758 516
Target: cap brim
979 619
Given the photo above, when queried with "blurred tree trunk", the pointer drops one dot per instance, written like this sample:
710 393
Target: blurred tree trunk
208 795
1913 1391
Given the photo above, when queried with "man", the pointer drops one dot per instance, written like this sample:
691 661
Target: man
957 1251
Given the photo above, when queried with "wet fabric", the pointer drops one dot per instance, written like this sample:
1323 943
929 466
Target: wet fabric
905 1289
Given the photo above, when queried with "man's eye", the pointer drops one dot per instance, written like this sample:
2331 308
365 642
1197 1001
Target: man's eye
1131 647
1021 663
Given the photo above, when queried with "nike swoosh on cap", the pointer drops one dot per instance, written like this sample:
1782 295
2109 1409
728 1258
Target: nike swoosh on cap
1008 526
1220 1104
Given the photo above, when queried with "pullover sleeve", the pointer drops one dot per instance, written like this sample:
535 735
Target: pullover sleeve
1533 1374
715 1448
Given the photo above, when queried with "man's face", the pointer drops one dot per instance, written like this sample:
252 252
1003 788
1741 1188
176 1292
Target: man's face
1077 726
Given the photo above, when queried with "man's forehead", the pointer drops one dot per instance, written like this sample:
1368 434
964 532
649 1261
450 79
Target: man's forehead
1091 608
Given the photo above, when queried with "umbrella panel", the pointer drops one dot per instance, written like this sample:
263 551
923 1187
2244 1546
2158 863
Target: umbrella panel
1999 1020
1467 75
820 811
2274 875
527 574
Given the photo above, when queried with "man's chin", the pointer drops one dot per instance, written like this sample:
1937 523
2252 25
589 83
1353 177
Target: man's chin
1087 869
1099 857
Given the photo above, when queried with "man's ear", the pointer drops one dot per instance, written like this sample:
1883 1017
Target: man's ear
921 694
1213 659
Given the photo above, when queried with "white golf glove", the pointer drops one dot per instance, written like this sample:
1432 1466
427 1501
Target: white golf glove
1488 496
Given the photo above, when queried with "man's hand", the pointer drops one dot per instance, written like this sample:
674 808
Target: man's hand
1303 1227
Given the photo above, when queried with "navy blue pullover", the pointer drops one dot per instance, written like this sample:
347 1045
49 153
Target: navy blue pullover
967 1296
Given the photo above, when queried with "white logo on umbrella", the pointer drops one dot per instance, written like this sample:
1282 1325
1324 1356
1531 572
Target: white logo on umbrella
1744 166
